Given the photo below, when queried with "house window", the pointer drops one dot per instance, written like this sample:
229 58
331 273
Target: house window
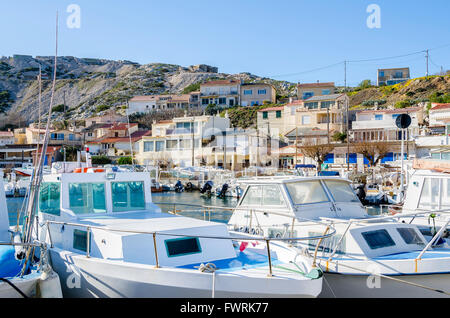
148 146
90 134
306 120
381 74
327 104
222 101
71 137
312 105
248 92
307 95
160 145
205 101
262 92
60 136
378 117
278 114
325 92
265 115
53 136
171 144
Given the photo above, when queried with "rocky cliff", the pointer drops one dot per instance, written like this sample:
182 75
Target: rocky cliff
91 86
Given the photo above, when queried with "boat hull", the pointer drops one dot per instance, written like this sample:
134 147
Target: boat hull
357 286
93 277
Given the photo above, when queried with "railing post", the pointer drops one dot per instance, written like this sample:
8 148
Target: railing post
156 250
88 241
270 258
317 246
49 235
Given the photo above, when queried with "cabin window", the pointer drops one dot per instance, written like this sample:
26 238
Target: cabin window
341 191
87 198
80 240
307 192
445 202
328 245
182 246
49 198
128 196
429 198
410 236
272 195
378 239
253 196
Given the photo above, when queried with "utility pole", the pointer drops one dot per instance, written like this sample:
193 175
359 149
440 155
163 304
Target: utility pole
328 124
192 133
296 146
346 110
427 61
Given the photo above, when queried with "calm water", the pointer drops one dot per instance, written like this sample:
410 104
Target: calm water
167 200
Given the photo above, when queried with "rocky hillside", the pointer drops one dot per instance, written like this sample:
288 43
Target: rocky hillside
91 86
434 88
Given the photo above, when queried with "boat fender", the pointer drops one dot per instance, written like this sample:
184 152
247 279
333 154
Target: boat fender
314 273
19 250
49 285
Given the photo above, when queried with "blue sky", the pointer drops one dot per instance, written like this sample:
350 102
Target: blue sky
281 39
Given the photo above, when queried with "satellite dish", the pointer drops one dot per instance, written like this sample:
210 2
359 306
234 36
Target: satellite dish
403 121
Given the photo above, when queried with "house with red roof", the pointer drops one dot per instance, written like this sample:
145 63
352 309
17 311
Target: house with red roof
308 90
225 93
439 117
117 146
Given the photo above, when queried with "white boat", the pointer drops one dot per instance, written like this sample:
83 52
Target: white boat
107 239
368 256
17 279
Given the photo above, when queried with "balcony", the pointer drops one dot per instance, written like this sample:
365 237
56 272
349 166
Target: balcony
380 124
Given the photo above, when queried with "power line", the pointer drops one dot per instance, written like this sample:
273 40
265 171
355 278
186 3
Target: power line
360 61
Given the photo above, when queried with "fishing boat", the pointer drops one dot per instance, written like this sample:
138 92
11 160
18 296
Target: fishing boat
17 277
107 239
367 257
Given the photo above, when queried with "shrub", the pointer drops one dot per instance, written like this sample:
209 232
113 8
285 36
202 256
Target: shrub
58 108
125 161
100 108
100 160
403 104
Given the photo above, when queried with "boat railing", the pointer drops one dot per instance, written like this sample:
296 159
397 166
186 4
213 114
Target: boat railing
208 210
329 231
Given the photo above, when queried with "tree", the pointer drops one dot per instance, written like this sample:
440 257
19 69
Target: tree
312 149
338 136
372 151
365 84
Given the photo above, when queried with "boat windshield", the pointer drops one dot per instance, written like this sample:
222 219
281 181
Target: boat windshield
307 192
341 191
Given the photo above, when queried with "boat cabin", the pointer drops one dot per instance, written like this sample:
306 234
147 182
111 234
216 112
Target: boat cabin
110 215
302 198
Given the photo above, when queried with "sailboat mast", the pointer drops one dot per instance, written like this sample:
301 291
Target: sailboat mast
37 176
